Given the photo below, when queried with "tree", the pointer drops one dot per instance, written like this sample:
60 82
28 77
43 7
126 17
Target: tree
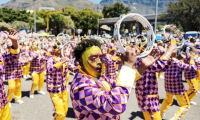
84 19
115 10
185 14
4 26
17 25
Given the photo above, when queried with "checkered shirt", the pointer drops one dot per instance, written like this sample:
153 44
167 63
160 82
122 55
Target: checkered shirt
197 61
56 78
147 87
110 68
12 66
161 50
3 98
173 77
90 102
192 74
37 65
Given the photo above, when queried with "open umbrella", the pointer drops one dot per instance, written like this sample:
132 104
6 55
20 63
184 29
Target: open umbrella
158 37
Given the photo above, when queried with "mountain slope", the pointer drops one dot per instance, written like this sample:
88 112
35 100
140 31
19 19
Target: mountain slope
57 4
141 6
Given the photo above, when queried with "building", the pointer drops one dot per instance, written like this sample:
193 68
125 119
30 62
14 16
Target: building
46 8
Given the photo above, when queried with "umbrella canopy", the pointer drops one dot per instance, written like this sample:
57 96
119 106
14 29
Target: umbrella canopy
158 37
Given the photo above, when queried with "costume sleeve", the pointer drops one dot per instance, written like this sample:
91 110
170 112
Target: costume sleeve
53 67
109 103
186 67
161 65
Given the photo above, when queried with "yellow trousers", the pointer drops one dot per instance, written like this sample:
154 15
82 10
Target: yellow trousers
198 76
193 88
14 88
152 115
5 113
38 80
60 102
183 101
26 69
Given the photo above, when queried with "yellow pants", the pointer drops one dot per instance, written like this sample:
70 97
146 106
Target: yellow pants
26 69
152 115
183 101
60 102
38 80
193 88
5 113
14 88
198 76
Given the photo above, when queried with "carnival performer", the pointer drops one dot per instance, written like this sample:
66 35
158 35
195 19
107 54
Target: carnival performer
174 86
57 80
7 59
197 45
191 76
95 96
147 87
13 73
38 57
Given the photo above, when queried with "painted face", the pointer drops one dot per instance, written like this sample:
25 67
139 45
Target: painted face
92 60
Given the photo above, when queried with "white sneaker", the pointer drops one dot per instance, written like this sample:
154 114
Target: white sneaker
163 115
25 77
41 92
19 101
198 91
193 103
29 76
172 119
9 104
133 87
161 77
31 96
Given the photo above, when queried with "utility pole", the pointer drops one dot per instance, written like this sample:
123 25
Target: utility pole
156 16
34 17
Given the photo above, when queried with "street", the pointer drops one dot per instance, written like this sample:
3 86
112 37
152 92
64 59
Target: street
41 107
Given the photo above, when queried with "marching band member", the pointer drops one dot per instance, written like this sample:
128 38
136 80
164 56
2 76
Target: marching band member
174 86
93 95
7 59
37 69
57 81
147 87
191 76
13 71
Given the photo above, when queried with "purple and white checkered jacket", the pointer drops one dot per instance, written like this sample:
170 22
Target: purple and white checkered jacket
110 68
173 77
90 102
3 98
147 87
56 78
37 64
12 66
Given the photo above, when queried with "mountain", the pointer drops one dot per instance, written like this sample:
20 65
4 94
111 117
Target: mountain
143 7
57 4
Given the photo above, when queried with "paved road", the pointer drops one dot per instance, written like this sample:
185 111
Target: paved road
41 108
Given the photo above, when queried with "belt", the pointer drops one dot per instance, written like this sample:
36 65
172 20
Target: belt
14 71
38 67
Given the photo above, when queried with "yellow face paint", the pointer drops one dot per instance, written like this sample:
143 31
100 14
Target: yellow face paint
92 60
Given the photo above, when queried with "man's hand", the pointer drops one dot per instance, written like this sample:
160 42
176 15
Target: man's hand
148 60
129 58
183 55
172 46
64 60
13 35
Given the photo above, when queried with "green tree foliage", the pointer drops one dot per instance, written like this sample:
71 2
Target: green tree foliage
9 15
185 14
4 26
84 19
17 25
115 10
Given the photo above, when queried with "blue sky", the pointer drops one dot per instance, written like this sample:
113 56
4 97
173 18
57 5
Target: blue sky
5 1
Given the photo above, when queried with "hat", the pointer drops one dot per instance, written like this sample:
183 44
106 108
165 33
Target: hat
197 45
9 43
